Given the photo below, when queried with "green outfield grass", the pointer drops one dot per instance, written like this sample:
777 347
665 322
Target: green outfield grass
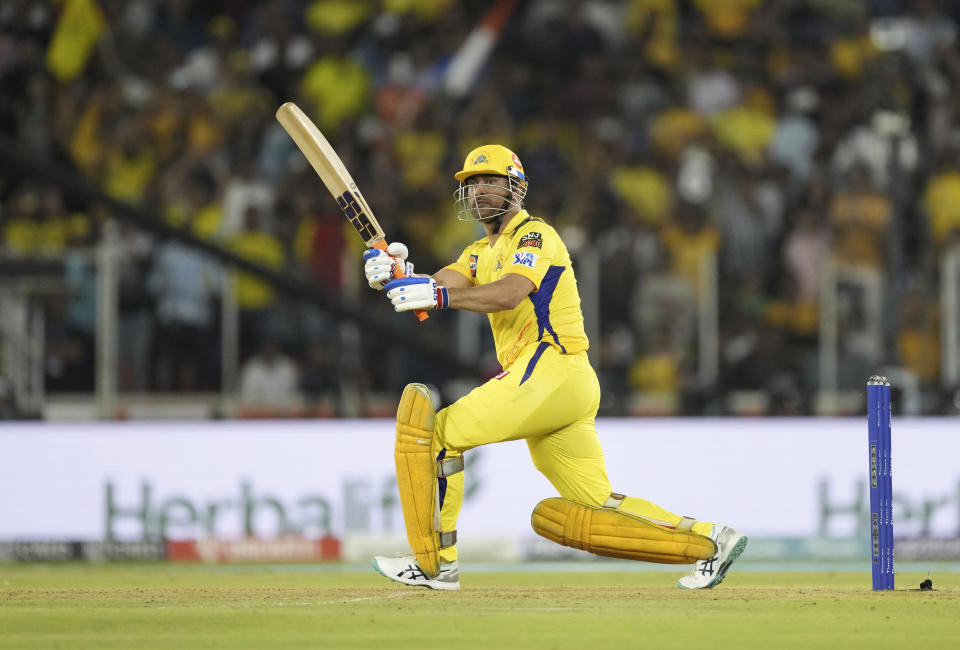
146 606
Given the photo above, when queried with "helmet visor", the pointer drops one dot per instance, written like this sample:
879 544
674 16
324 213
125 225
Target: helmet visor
485 200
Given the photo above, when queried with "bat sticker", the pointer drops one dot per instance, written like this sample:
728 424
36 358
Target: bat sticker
354 213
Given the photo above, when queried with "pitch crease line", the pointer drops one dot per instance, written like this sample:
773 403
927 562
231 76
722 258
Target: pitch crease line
354 600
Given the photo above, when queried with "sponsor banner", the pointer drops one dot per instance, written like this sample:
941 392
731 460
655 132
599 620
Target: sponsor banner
251 549
928 548
775 478
94 551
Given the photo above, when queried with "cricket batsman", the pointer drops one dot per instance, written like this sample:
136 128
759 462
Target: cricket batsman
520 275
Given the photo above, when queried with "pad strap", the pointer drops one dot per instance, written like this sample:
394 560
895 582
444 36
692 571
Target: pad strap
448 538
686 523
614 500
449 466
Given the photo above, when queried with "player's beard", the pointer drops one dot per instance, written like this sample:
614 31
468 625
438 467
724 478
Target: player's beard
497 215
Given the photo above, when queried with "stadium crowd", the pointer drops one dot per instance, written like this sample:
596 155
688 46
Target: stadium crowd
655 133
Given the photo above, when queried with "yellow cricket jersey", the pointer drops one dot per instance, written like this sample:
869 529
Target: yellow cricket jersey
551 315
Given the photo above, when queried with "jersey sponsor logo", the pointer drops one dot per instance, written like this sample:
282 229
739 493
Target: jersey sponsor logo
532 238
481 159
525 259
473 265
502 374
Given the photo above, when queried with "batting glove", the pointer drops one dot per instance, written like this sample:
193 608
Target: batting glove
380 266
417 293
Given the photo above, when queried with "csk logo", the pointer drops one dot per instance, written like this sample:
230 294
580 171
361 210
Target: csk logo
479 160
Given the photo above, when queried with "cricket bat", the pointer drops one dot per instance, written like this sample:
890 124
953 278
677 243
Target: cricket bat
335 176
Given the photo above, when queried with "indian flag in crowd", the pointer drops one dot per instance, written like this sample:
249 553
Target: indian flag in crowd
466 64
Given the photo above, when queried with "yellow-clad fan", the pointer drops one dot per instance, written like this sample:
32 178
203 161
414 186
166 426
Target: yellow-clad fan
520 275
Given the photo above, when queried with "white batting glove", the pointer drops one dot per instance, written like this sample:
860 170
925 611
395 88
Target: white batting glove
380 266
419 292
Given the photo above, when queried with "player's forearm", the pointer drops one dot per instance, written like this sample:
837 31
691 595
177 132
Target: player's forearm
502 295
480 299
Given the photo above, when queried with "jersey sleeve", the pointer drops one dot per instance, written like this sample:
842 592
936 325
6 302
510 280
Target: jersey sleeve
466 265
533 249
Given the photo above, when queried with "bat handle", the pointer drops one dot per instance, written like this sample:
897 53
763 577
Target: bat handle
398 273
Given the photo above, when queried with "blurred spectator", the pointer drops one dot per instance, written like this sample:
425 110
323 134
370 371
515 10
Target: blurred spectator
859 218
21 221
728 19
55 228
645 189
656 370
804 253
254 296
747 129
192 201
711 88
338 88
184 283
320 376
420 155
757 359
926 32
796 138
269 378
135 307
245 188
130 163
689 240
319 239
664 138
941 199
919 339
748 229
68 352
880 143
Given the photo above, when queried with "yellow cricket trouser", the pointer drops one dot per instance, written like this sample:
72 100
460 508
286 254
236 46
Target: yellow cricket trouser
550 400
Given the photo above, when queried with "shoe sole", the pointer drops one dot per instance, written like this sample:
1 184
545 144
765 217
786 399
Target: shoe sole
735 553
436 584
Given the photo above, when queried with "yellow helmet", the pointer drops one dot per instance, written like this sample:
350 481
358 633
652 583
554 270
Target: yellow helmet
492 159
496 160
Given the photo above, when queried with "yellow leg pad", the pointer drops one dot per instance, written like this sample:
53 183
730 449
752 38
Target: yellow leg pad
417 476
605 531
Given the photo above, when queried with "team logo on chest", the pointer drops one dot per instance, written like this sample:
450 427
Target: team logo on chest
531 239
499 266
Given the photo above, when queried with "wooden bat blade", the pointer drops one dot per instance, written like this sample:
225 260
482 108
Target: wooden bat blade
337 179
331 171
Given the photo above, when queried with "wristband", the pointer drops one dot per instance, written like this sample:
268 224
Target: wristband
443 298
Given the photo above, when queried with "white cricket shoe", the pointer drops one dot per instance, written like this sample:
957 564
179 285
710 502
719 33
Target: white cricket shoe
711 572
407 571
